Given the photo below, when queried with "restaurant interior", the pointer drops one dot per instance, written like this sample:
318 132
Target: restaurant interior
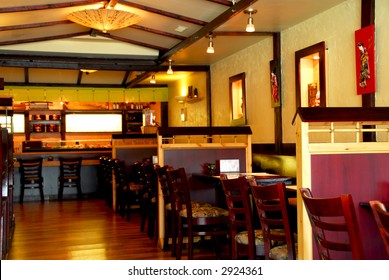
218 129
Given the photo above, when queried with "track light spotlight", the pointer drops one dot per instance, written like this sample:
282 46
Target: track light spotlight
170 70
210 48
250 27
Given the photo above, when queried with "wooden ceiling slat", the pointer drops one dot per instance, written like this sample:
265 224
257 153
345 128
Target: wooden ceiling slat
163 13
158 32
133 42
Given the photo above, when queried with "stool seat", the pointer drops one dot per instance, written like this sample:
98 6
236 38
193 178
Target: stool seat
69 175
31 176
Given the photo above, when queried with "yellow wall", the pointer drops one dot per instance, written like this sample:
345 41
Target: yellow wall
196 111
336 27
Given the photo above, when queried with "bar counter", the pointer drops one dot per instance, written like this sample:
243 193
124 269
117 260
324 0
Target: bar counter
50 172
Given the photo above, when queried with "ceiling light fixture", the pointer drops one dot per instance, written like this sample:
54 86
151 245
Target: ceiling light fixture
104 19
250 27
88 71
210 48
170 70
152 81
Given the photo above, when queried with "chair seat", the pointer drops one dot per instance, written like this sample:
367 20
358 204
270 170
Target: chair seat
206 211
242 237
194 204
281 252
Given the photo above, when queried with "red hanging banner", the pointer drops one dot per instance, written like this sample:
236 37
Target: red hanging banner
365 60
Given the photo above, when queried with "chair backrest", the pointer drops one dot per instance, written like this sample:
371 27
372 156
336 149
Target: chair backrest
272 205
70 167
120 173
106 169
31 169
150 177
236 192
178 181
334 226
166 189
381 216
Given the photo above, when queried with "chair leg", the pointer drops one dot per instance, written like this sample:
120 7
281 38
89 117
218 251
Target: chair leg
21 194
41 193
79 191
60 192
168 231
174 235
190 245
180 238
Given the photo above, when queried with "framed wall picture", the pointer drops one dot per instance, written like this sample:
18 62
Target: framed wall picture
275 85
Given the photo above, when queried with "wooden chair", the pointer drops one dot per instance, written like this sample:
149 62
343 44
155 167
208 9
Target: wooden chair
195 220
69 175
106 179
272 205
145 176
334 226
31 176
151 196
381 216
169 214
245 241
125 194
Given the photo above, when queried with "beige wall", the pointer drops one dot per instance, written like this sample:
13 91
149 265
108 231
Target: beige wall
336 27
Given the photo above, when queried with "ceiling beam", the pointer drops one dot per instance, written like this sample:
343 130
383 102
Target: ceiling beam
26 75
40 39
138 79
125 78
241 33
222 2
33 25
111 4
231 12
48 6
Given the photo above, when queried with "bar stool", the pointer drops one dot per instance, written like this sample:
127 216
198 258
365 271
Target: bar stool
70 175
31 176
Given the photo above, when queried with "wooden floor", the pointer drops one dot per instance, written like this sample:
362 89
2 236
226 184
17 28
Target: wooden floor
81 230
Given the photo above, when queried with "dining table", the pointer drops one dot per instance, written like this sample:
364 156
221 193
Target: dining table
208 188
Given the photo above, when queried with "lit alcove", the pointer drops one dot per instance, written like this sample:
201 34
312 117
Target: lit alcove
310 76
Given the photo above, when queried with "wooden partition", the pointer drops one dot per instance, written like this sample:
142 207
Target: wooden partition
192 147
332 159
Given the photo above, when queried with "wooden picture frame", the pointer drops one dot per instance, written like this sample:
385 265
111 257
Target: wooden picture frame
237 85
275 84
311 60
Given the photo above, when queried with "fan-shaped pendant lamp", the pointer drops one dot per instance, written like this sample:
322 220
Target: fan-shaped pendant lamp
104 19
